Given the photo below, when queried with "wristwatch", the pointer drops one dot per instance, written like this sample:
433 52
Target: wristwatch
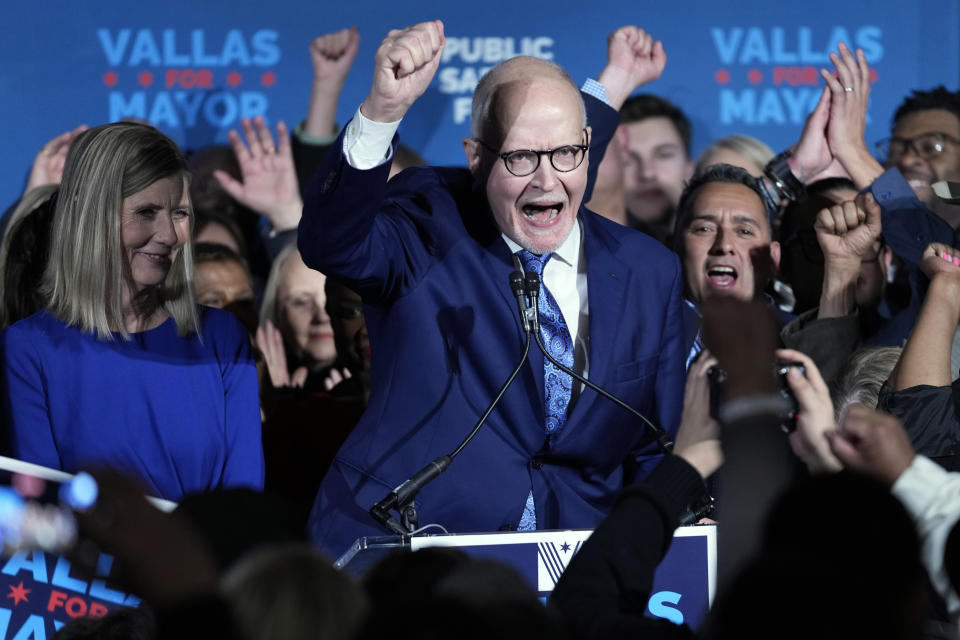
780 174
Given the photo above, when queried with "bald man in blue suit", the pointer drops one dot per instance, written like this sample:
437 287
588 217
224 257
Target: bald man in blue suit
431 252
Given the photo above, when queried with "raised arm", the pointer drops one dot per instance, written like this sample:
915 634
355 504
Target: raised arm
404 66
849 98
332 56
634 59
845 232
926 357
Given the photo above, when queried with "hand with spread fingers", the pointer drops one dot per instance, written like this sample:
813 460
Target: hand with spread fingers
406 62
48 164
634 59
270 343
269 180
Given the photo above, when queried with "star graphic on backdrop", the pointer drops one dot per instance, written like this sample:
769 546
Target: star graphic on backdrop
18 593
564 547
234 78
268 78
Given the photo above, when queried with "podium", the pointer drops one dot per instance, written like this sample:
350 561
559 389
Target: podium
683 585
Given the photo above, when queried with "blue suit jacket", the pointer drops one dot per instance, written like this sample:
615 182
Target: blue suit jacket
424 253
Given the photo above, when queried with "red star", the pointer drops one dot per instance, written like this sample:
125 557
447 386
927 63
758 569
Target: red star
145 78
755 76
722 76
873 74
110 78
234 78
18 593
268 78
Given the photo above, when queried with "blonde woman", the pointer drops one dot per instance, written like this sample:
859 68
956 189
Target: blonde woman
122 368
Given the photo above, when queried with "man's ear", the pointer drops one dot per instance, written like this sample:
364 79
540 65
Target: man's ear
886 257
473 151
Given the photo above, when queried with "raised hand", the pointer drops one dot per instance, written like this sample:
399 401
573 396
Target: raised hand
270 343
812 155
48 164
698 438
940 258
332 56
846 232
269 184
406 62
873 443
634 59
815 417
335 377
850 96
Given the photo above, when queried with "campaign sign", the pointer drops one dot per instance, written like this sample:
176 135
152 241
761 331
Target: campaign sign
41 592
683 585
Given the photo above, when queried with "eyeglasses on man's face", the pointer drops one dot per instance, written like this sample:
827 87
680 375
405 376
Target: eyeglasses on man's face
927 145
523 162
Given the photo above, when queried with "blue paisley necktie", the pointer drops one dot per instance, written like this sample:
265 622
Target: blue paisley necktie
557 385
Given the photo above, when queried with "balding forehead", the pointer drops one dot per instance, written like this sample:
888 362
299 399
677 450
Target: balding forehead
505 84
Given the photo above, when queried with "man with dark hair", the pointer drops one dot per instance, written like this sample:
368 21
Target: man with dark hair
658 162
722 232
925 145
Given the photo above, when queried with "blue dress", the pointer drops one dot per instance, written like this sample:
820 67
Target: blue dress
180 414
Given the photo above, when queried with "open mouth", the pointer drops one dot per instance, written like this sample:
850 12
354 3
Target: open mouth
542 212
721 276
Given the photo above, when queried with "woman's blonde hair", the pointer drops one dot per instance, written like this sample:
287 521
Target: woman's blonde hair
87 271
269 309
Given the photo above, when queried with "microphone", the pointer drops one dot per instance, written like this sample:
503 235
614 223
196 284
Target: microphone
516 285
403 496
532 287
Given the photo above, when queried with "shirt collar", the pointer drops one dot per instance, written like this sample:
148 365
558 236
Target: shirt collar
568 252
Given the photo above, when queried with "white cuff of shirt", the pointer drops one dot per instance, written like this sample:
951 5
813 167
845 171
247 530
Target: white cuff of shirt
367 144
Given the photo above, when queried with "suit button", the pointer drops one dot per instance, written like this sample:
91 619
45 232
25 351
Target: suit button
537 463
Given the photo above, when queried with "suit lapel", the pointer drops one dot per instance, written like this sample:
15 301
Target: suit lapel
606 288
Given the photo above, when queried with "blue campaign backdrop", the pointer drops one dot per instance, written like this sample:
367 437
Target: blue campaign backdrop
194 68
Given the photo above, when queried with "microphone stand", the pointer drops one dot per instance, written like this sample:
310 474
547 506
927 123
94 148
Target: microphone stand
693 512
532 286
402 498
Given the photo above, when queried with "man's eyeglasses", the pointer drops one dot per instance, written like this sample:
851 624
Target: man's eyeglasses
523 162
927 145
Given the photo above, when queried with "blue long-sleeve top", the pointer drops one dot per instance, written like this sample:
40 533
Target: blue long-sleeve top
180 414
